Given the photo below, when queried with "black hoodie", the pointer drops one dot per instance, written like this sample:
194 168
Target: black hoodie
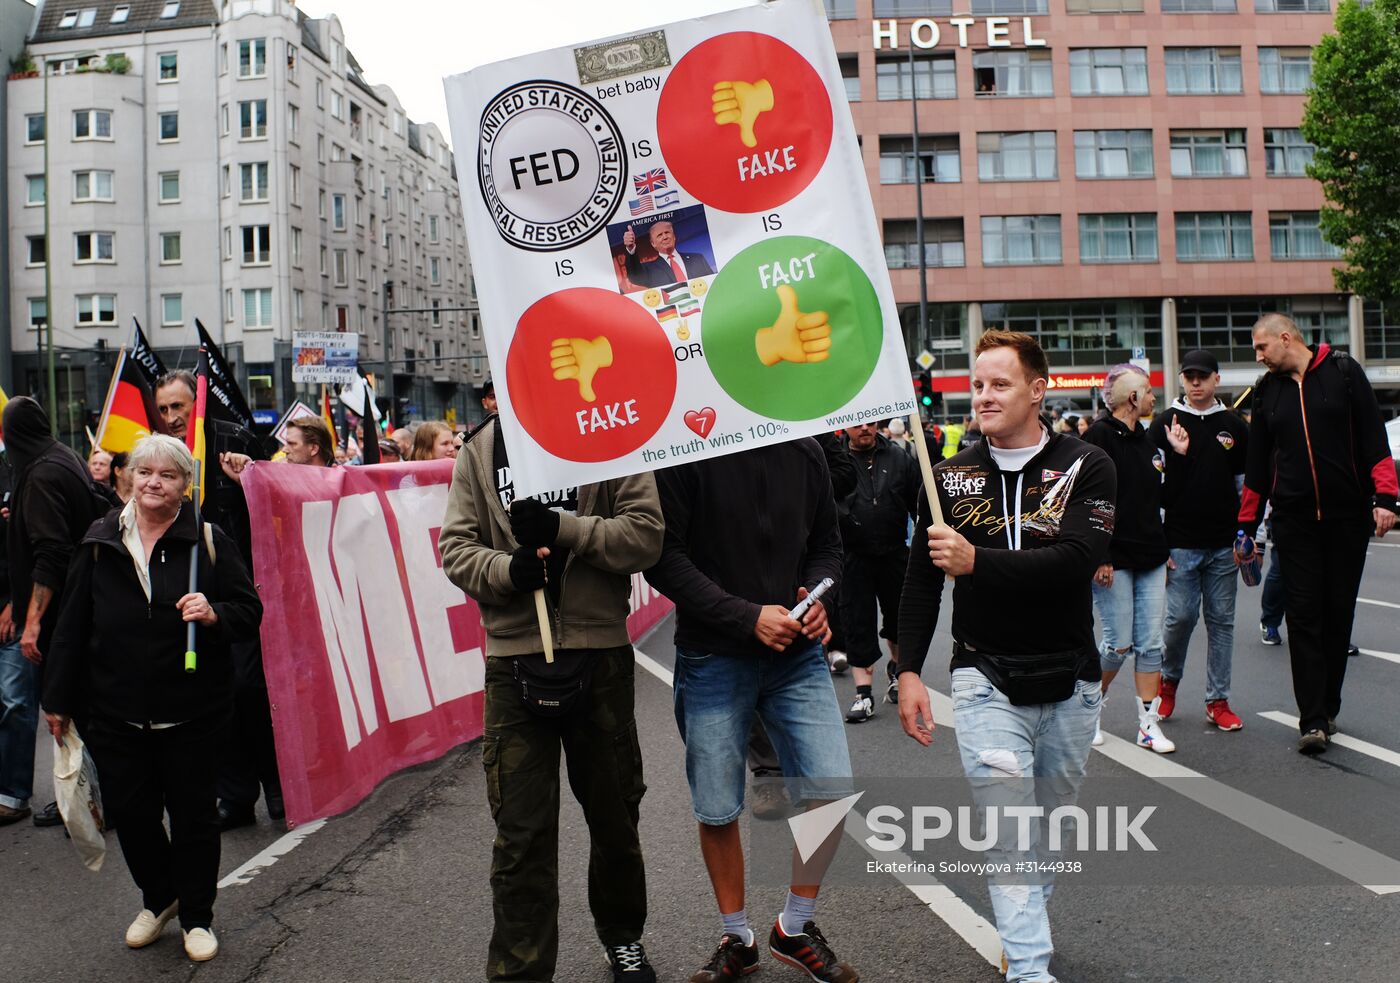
1139 541
53 503
1201 495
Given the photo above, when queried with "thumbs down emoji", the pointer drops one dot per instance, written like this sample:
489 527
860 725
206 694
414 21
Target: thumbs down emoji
795 336
579 358
741 102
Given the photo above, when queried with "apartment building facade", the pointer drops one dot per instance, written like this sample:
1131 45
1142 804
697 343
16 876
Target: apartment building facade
1120 178
172 159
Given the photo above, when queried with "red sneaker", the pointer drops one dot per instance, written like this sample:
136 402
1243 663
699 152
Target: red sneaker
1219 713
1168 694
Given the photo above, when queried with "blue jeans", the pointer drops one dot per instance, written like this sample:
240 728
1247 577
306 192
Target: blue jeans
716 697
1049 743
1204 580
1132 611
19 722
1275 598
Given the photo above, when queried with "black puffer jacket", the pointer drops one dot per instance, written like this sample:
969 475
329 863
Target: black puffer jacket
120 656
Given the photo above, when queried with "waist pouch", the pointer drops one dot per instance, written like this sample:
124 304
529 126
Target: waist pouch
1029 680
554 689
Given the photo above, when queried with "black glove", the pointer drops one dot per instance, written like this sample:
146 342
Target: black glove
532 524
527 571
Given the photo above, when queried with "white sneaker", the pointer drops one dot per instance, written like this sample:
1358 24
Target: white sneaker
837 661
200 945
1150 730
1098 736
862 709
148 926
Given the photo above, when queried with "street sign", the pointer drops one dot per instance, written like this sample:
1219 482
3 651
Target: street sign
925 359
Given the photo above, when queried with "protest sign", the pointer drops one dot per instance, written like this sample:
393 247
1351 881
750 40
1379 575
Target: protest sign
325 356
374 660
674 244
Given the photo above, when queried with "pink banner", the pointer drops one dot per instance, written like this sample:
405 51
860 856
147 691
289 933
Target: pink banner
374 660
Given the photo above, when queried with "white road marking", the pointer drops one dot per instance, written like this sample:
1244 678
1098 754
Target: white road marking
269 856
1379 604
1387 656
957 914
1389 546
1341 740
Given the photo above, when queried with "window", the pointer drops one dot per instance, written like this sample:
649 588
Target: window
1026 156
943 243
1382 330
1224 326
436 317
1295 235
841 9
169 247
1084 332
434 271
293 123
253 181
1108 72
252 58
850 77
337 105
938 159
69 19
1203 71
294 184
169 127
169 66
296 247
342 318
38 312
92 185
1013 240
228 242
87 17
342 267
252 120
257 245
320 95
172 309
1284 70
298 308
1286 153
228 304
337 152
1012 73
982 7
92 124
1293 6
1118 238
92 247
933 77
38 251
34 128
338 212
35 191
291 61
1213 236
226 183
323 261
169 186
95 309
171 9
320 148
257 308
321 203
432 223
1104 6
1208 153
223 118
1198 6
360 265
120 13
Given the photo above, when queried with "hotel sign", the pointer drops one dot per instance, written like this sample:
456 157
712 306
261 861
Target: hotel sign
928 33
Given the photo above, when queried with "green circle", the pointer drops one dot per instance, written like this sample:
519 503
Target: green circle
744 299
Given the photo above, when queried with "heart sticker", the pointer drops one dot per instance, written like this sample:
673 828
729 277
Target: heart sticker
701 421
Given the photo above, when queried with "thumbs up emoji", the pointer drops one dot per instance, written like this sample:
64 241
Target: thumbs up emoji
795 336
741 102
579 358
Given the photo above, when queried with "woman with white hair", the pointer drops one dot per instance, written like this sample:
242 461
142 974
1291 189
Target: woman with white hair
1130 591
154 727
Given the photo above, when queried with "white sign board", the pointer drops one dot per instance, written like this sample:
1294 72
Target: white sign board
674 245
325 356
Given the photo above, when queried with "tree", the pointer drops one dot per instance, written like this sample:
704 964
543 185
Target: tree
1353 118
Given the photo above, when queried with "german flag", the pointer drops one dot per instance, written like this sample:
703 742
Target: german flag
194 434
328 413
130 411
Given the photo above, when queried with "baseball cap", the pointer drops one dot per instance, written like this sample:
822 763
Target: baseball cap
1199 360
488 388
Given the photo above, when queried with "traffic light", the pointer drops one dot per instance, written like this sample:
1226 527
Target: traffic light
923 389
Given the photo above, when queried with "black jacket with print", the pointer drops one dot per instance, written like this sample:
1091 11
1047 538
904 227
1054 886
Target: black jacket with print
1030 601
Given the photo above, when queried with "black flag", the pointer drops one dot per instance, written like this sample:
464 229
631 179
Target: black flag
226 400
369 447
145 357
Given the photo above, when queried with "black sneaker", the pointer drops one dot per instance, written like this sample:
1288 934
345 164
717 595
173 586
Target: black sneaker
810 953
1331 726
732 959
48 816
1353 650
629 963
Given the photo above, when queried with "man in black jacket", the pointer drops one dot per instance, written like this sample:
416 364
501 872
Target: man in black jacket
747 535
1025 509
19 692
1318 449
52 505
874 532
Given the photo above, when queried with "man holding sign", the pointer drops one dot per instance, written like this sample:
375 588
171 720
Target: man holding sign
1025 508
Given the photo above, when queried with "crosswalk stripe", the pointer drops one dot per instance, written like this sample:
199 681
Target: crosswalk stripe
1341 740
1387 656
1379 604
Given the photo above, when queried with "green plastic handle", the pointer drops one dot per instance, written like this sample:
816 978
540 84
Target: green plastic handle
189 661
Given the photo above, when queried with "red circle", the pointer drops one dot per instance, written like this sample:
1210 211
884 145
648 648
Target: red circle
704 157
632 396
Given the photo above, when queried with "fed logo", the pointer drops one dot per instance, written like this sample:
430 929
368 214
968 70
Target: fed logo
551 165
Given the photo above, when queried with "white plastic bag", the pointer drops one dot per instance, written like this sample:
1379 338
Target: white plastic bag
79 803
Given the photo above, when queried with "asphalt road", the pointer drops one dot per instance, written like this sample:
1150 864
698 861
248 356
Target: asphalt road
1261 876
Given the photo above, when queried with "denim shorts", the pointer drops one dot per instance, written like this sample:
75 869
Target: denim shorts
717 695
